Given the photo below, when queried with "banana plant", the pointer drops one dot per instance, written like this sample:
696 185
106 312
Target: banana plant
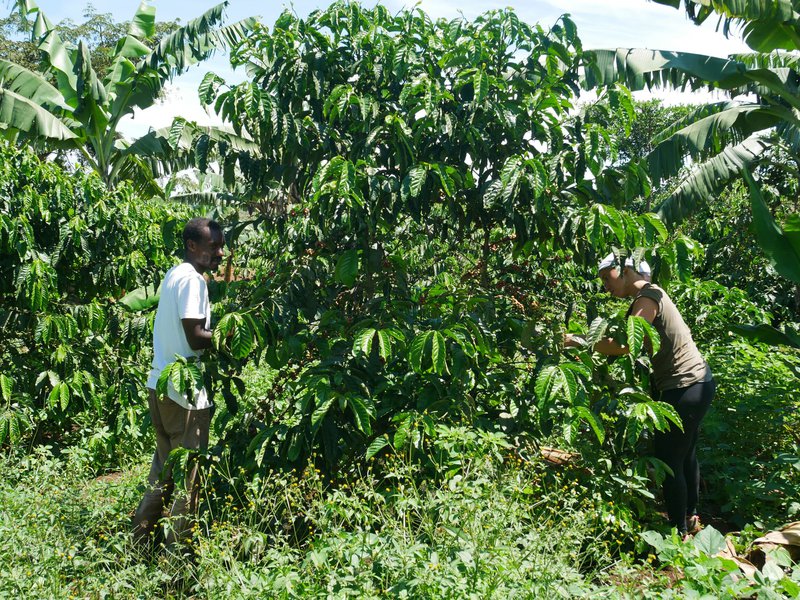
722 138
782 247
765 25
80 111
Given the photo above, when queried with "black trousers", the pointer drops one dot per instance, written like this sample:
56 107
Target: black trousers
678 449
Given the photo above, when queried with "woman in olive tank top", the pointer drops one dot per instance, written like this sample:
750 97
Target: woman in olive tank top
681 377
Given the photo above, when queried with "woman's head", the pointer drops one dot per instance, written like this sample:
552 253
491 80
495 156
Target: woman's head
622 282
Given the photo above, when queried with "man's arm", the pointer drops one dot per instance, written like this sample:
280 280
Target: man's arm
197 335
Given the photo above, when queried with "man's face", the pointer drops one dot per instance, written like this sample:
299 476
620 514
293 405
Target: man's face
206 254
612 282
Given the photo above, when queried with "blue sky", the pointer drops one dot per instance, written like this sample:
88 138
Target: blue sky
601 24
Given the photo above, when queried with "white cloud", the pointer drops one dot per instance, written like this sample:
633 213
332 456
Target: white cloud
605 24
180 100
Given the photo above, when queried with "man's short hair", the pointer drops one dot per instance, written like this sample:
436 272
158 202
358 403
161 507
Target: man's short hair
195 229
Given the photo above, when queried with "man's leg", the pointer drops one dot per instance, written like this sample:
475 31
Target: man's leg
188 429
158 495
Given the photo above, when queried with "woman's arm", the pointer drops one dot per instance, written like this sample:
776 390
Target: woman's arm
610 347
647 308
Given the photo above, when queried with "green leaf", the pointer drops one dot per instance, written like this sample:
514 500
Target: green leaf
597 331
19 113
242 340
403 432
208 87
637 329
384 344
346 269
6 387
791 229
709 541
654 223
14 427
162 385
417 176
322 409
59 56
709 177
446 181
766 334
577 367
378 444
668 412
295 447
362 344
655 539
776 245
31 86
178 378
222 329
480 82
704 131
588 416
426 348
143 24
655 413
363 411
59 396
141 298
553 380
438 352
416 349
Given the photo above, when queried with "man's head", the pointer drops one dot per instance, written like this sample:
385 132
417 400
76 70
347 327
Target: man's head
203 243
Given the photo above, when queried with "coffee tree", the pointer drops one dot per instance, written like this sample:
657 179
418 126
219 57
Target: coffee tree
428 194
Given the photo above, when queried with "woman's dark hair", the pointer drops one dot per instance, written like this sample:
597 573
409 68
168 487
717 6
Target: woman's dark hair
195 229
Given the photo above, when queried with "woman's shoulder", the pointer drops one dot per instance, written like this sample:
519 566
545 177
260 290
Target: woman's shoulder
653 292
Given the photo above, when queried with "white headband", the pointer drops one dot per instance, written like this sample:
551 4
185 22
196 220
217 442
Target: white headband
611 260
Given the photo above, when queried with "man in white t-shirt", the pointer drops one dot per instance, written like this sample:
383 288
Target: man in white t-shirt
180 419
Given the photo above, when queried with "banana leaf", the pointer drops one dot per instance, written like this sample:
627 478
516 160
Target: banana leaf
141 298
767 334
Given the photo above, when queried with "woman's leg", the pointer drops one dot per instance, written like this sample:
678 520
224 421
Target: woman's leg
691 467
671 448
678 450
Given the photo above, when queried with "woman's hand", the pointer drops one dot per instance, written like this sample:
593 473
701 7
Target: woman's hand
573 341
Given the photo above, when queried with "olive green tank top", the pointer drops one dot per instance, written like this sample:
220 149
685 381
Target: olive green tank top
678 363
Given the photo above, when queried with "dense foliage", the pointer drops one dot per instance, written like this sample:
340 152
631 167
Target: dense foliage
414 210
73 360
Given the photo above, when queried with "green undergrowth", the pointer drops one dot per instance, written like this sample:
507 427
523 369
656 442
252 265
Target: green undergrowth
501 527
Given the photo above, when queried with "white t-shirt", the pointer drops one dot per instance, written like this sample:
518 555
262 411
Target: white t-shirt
184 295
